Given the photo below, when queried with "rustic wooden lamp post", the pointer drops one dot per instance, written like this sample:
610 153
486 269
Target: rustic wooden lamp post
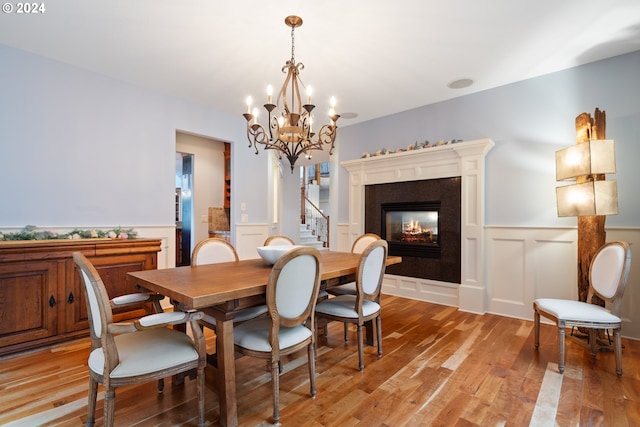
592 197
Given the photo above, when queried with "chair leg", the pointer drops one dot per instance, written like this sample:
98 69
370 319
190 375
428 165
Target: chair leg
93 396
109 406
200 392
160 385
618 350
346 332
536 328
379 330
312 370
315 344
561 343
275 384
360 348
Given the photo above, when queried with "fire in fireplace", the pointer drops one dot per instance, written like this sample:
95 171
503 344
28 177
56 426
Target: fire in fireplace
411 228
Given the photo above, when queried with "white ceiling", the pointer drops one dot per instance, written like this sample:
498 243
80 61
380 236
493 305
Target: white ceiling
376 57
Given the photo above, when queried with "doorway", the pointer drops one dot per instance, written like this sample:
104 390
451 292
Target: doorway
184 207
201 176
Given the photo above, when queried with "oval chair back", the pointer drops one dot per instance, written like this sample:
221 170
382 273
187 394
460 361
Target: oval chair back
360 244
609 273
213 250
371 270
278 240
293 286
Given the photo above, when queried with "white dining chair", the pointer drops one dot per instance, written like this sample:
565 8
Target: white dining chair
127 353
292 291
215 250
278 240
359 245
364 306
608 277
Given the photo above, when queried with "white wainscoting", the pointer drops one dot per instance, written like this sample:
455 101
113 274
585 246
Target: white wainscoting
524 263
167 234
341 239
248 237
422 289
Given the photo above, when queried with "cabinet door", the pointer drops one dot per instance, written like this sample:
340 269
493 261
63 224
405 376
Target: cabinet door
113 271
29 301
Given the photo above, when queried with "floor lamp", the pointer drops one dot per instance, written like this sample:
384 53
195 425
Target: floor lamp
592 197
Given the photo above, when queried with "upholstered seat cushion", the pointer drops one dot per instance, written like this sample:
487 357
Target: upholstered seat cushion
240 316
344 306
575 310
254 335
147 351
346 289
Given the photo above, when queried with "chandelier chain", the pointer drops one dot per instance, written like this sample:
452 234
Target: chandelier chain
293 45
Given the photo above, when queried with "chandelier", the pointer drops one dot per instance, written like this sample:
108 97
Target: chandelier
290 124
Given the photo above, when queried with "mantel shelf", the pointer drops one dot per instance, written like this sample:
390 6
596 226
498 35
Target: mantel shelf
424 163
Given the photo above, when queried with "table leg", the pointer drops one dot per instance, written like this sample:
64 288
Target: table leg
368 331
226 373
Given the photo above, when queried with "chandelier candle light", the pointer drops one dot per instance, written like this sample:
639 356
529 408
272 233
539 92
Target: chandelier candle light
290 122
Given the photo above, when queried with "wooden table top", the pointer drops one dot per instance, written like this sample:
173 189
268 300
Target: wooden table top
211 284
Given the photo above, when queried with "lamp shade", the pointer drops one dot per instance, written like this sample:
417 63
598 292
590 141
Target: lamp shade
588 198
587 158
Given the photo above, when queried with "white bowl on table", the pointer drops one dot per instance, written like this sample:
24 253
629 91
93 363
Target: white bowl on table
271 254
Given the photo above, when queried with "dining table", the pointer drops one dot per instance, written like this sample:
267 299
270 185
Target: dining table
221 290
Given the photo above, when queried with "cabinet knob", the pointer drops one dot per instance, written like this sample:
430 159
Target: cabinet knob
71 298
52 302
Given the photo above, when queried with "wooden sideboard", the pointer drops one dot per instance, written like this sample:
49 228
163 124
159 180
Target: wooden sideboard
41 297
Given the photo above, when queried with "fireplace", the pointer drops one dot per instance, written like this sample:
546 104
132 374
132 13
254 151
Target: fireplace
411 228
461 231
430 249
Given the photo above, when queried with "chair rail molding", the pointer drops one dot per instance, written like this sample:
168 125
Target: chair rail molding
464 159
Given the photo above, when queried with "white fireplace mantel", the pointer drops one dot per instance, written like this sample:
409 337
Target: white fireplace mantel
463 159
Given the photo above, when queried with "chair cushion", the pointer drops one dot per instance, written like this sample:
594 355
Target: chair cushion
147 351
346 289
575 310
241 315
254 335
345 306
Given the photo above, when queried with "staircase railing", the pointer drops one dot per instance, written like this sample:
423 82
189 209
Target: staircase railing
316 221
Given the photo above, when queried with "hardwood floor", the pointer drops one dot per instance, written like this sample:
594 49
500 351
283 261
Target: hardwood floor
440 367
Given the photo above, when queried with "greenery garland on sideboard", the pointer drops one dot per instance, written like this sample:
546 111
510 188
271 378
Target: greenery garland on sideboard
31 232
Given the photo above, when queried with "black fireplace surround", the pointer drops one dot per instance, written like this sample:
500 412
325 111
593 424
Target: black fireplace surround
421 222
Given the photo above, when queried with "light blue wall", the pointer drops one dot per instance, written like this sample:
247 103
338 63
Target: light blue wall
81 149
528 121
